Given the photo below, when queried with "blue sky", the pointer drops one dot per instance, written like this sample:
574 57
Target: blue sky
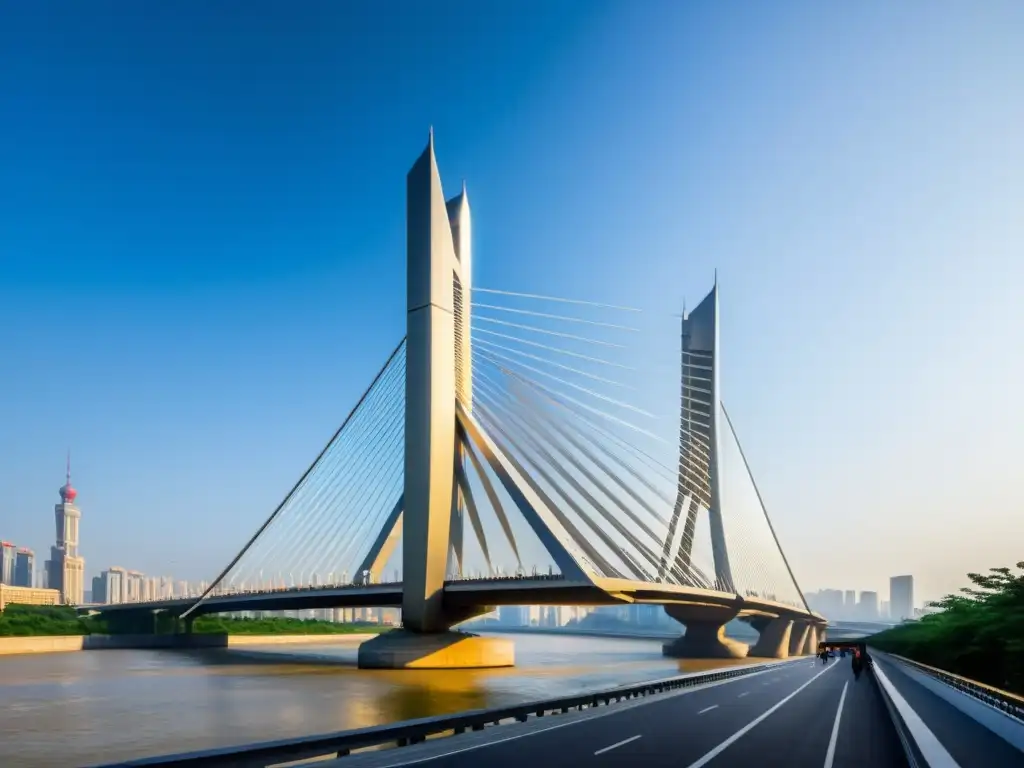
202 234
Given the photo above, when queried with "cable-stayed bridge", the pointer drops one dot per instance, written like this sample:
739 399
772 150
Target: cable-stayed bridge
522 449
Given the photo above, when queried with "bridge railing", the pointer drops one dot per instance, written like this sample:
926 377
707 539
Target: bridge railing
409 732
507 577
1006 702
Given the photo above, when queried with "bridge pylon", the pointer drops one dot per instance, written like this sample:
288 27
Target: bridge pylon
438 377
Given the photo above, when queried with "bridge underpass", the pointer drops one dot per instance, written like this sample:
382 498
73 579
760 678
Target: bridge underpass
495 442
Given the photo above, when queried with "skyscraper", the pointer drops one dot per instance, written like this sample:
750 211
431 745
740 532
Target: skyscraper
115 584
7 558
868 606
65 569
134 581
850 602
24 567
99 590
901 597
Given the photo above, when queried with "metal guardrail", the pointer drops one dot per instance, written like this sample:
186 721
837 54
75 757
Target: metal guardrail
1008 703
342 743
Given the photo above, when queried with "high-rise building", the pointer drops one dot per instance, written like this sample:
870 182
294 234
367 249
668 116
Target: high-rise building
901 597
65 568
7 557
850 602
151 589
828 602
868 606
24 567
134 585
115 581
99 590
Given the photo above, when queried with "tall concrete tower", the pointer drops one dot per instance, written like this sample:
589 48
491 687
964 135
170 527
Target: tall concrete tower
434 361
699 480
66 569
438 382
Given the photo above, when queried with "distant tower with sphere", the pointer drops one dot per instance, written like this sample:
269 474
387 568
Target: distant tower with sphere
65 570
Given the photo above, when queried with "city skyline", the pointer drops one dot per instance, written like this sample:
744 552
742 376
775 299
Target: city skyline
199 303
130 585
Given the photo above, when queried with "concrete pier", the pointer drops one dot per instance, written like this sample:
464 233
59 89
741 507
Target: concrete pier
774 642
811 641
402 649
705 633
798 638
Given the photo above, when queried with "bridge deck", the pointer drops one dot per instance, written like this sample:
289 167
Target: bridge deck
490 592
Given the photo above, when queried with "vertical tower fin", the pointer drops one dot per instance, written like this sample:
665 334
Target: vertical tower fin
430 392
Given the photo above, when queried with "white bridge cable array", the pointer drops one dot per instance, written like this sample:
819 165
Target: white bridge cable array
618 523
614 468
583 423
326 525
599 456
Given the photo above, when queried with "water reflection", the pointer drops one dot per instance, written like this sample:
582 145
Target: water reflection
72 709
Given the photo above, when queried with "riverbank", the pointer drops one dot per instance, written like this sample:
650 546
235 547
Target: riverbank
10 646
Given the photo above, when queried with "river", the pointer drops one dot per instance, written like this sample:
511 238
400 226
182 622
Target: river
66 710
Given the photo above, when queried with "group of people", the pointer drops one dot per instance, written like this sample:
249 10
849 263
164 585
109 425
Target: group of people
861 659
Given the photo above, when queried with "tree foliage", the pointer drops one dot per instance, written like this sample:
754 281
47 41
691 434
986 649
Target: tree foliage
978 634
56 620
46 620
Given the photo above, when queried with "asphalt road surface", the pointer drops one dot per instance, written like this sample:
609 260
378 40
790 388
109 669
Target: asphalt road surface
967 743
802 714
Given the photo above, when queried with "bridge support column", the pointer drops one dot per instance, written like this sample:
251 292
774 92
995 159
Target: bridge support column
774 640
437 295
811 641
798 638
705 633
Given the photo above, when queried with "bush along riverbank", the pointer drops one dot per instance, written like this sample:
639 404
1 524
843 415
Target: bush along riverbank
61 621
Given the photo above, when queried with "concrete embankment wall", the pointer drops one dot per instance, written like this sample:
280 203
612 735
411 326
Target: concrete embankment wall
64 644
11 645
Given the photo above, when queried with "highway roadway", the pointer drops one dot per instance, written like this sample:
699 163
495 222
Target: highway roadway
799 714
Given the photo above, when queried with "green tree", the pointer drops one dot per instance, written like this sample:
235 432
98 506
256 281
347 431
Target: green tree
978 634
34 620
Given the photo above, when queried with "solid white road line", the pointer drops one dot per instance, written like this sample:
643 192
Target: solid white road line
745 729
708 709
616 745
934 753
830 755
